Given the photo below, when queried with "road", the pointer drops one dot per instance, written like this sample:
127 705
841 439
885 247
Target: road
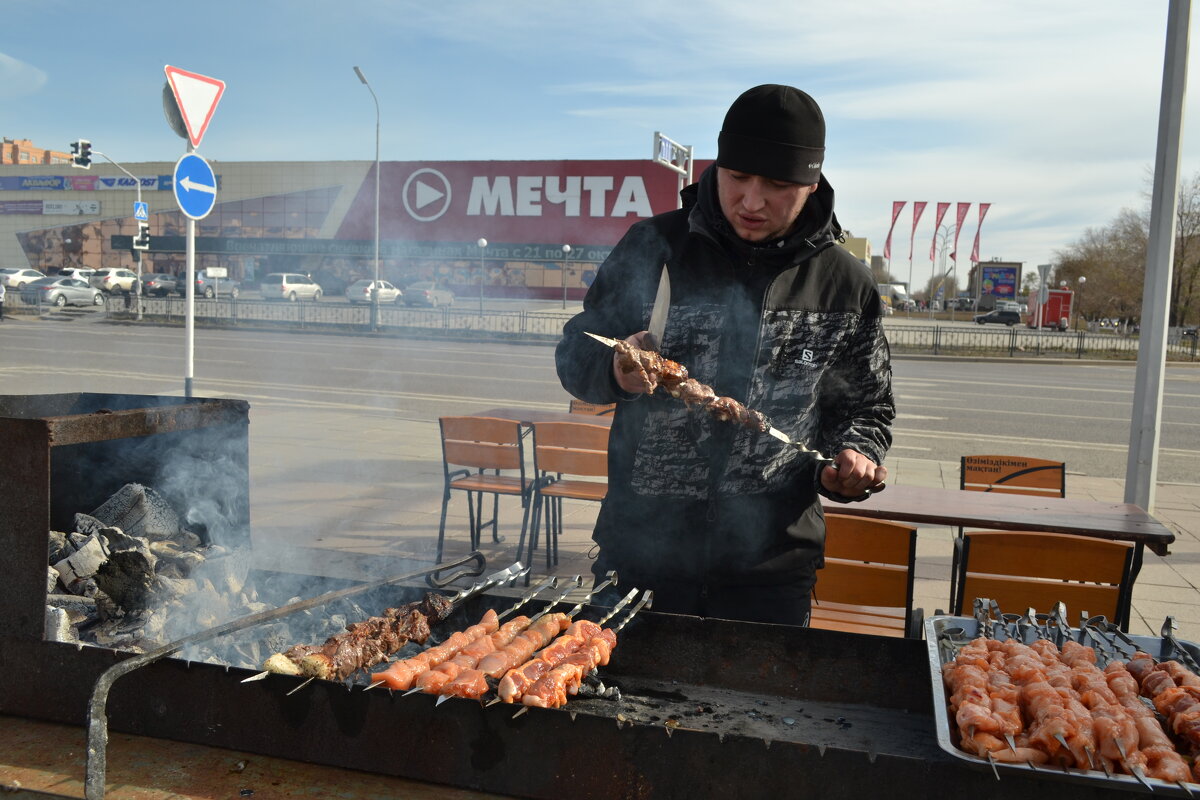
1075 412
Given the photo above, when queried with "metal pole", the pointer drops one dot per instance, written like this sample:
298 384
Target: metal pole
137 257
482 244
1141 469
566 258
378 180
189 325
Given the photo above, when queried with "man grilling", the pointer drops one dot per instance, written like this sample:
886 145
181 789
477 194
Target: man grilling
718 519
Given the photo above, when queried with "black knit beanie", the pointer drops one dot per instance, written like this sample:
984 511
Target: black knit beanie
774 131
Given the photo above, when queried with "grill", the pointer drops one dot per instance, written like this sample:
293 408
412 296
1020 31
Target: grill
707 707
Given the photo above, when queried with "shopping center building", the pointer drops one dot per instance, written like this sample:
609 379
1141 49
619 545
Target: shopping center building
318 218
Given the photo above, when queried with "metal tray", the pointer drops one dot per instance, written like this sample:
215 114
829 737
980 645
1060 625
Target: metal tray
940 628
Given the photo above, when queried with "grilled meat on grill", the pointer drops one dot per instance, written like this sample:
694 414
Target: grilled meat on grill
673 376
565 678
517 680
401 674
364 644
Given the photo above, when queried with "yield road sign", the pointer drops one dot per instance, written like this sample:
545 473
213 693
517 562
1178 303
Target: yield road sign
141 211
197 97
195 186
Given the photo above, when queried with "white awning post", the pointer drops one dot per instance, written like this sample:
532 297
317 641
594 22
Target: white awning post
1141 470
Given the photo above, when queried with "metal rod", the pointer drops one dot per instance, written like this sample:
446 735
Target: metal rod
97 755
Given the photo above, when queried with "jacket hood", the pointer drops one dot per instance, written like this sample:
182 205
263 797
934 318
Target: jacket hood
818 224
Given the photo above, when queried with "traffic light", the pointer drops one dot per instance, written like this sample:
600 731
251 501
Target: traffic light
81 154
142 240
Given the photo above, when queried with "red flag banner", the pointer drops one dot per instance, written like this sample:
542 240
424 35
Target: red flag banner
897 207
937 223
983 209
960 212
918 209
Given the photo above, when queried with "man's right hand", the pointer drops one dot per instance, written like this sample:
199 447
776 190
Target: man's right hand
634 382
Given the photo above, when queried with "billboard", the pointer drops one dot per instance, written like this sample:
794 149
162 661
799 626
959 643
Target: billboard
1000 282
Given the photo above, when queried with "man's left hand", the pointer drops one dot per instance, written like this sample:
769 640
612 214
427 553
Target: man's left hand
853 476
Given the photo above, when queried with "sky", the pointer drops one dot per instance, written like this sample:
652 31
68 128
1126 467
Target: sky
1047 111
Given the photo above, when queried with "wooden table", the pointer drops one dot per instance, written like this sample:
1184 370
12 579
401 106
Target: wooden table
1123 522
528 416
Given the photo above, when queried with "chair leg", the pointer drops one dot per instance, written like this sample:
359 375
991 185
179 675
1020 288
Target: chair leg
473 521
527 502
442 524
535 522
550 512
496 537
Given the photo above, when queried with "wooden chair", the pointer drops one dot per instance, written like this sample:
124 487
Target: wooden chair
867 583
570 460
1033 569
1007 475
591 409
474 451
1013 475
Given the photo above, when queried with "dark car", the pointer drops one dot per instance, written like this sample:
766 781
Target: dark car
210 287
60 291
427 294
1008 318
158 283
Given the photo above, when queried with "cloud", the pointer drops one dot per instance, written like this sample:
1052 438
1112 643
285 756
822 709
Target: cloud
18 79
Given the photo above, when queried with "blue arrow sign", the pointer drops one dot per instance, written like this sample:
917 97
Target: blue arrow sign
141 211
195 186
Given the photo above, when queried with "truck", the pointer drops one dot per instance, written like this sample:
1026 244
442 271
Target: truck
1055 312
895 295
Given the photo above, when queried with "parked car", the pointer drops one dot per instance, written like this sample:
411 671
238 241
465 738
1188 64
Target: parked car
78 273
360 292
427 294
113 279
17 278
210 287
158 283
290 286
1008 318
60 291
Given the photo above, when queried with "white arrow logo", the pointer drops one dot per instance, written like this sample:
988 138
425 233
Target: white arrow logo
427 194
188 184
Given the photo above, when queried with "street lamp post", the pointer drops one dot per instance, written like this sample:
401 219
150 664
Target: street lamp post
566 257
1079 308
378 180
482 244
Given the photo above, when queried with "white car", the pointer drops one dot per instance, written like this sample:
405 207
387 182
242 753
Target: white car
17 278
113 279
290 286
360 292
78 273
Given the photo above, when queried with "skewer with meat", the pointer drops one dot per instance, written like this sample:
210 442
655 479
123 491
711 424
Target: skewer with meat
1162 760
565 678
551 690
363 644
535 637
434 679
673 376
518 679
401 674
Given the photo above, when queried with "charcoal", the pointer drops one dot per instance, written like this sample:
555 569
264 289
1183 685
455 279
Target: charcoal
86 524
126 577
120 542
72 603
140 511
58 549
83 563
58 625
51 580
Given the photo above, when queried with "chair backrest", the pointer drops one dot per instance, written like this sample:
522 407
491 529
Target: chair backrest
1035 569
591 409
571 448
867 583
1013 475
482 442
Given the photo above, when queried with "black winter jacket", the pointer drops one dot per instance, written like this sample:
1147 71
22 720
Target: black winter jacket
791 328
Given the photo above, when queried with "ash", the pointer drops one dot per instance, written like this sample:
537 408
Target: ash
134 575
